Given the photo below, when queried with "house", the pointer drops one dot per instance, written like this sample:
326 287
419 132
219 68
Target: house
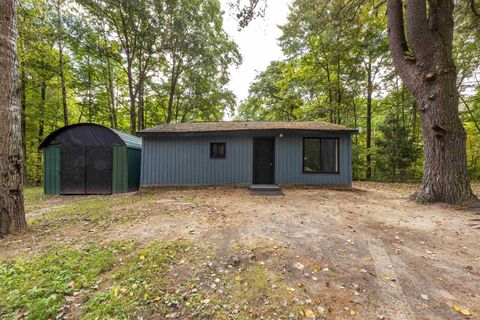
90 159
247 153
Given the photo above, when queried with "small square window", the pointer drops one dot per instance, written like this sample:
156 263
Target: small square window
217 150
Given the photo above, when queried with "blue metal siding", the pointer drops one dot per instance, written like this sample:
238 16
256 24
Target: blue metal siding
289 163
186 161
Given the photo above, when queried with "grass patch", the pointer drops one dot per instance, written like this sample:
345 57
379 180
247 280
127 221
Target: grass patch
36 288
140 286
94 209
33 197
189 198
254 292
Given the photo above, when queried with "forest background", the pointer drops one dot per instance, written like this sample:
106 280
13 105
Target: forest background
135 64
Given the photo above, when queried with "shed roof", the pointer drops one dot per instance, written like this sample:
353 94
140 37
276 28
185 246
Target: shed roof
130 141
230 126
122 137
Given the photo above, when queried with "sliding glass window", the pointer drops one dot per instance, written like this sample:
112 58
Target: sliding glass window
320 155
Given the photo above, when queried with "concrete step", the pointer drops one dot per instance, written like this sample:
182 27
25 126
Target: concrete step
266 189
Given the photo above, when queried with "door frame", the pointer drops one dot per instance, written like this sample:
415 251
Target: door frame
110 152
255 139
63 150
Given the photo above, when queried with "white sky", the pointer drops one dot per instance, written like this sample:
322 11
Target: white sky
257 43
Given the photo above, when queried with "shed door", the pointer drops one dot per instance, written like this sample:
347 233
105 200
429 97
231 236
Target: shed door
72 170
98 170
263 161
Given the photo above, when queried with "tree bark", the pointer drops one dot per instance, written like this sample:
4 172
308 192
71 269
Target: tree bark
61 64
23 104
41 129
132 94
64 90
141 104
339 93
12 214
369 120
173 84
111 96
89 92
425 65
140 89
355 119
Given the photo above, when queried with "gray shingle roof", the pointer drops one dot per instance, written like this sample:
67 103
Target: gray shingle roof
226 126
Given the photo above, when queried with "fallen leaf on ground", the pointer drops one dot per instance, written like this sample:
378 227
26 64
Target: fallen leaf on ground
465 312
309 313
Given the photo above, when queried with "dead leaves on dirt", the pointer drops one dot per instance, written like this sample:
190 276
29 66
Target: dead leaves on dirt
464 311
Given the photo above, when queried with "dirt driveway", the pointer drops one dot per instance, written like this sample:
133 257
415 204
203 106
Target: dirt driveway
368 253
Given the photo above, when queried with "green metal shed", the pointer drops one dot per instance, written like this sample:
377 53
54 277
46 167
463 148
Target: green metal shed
89 158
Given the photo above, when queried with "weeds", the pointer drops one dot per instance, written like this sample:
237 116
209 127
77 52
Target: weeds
140 284
36 288
97 210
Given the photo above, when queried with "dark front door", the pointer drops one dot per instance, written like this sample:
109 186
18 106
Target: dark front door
263 161
98 162
72 170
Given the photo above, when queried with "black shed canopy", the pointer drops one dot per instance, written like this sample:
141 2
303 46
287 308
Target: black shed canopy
89 134
91 159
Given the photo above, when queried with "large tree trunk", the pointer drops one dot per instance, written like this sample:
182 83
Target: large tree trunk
131 92
90 93
111 95
445 176
62 64
141 103
23 104
41 130
64 89
12 214
171 95
369 120
140 93
425 64
330 95
355 119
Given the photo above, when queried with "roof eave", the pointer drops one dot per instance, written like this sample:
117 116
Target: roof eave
208 132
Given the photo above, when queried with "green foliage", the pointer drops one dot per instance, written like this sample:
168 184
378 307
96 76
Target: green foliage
37 288
138 282
273 95
153 61
396 149
120 60
336 57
